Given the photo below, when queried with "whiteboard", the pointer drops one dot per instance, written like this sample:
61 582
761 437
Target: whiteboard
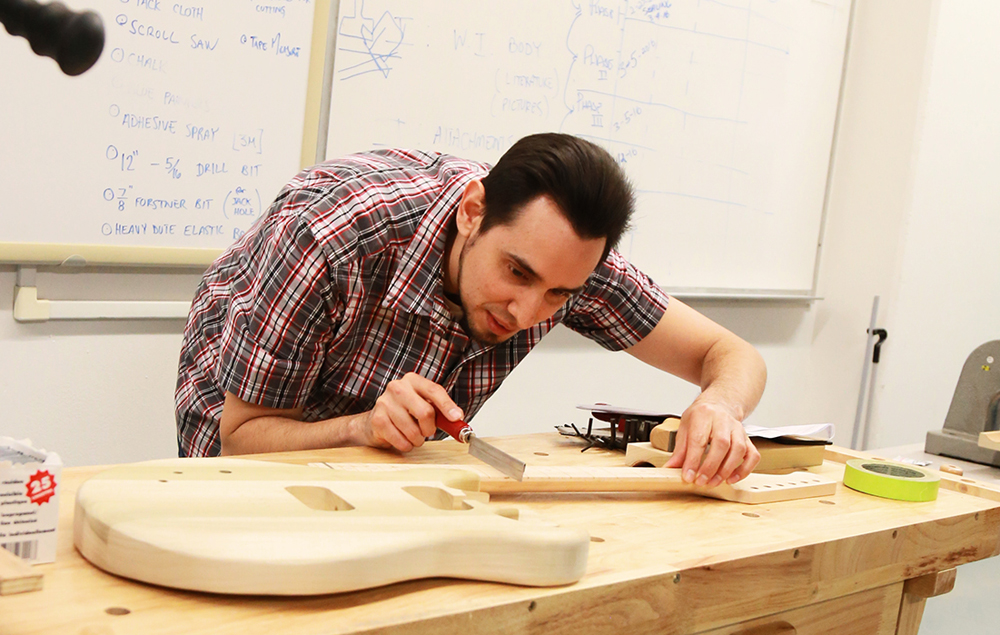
169 147
722 112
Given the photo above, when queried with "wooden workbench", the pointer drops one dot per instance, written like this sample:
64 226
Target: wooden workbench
847 563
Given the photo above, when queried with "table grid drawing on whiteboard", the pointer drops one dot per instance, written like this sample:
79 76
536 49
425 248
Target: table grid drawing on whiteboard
721 111
178 138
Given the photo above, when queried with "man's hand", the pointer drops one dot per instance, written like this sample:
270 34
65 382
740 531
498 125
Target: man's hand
731 455
405 414
731 374
401 419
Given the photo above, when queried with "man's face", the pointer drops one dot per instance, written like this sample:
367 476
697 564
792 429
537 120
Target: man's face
514 276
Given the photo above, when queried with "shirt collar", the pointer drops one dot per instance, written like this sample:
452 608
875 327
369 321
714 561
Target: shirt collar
417 284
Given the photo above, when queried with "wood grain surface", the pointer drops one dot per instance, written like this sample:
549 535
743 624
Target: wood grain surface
677 565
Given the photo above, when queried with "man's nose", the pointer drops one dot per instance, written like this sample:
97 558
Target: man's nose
527 308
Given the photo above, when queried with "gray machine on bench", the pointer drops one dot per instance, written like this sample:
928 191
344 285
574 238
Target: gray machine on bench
975 409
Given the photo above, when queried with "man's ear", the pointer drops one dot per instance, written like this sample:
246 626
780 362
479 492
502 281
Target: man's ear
471 208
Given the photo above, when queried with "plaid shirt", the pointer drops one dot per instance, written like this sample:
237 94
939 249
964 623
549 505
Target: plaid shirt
338 290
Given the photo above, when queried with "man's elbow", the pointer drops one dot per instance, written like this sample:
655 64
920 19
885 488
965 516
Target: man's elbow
229 446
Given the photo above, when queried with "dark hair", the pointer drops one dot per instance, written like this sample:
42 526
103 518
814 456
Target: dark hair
580 177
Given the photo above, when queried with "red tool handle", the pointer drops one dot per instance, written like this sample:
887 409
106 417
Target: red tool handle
460 430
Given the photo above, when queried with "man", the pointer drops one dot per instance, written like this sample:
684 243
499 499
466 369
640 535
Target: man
386 285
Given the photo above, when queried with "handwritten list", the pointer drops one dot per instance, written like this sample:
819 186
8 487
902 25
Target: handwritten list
180 136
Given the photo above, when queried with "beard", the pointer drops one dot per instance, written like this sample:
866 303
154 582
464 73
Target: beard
481 335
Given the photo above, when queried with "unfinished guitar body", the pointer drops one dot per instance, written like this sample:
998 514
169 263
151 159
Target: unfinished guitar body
250 527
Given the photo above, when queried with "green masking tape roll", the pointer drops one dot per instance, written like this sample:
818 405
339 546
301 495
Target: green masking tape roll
891 480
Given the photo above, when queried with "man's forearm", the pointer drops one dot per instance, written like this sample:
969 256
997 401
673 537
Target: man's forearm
730 371
282 434
733 376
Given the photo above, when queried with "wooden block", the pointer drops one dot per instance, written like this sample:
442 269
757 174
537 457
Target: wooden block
773 456
932 584
990 440
661 437
16 576
780 456
252 527
640 454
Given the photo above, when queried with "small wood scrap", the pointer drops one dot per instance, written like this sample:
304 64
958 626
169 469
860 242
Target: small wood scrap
990 440
16 576
948 468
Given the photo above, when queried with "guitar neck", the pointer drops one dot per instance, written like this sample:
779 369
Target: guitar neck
589 479
756 488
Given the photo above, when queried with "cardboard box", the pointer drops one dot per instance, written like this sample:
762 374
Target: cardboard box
29 500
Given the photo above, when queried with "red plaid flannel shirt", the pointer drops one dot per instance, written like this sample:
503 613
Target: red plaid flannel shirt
338 290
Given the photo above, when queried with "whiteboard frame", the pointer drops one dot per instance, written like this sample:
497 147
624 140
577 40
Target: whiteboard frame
55 254
834 142
44 254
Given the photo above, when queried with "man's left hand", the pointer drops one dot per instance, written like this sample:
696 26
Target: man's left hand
731 456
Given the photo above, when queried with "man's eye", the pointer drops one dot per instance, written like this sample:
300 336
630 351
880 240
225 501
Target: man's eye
517 273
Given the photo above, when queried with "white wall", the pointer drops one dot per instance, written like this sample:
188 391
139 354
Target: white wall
95 392
103 392
946 298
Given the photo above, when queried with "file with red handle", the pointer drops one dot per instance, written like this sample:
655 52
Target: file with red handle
485 452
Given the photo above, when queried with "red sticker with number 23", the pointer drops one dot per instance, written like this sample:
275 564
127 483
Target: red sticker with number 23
41 487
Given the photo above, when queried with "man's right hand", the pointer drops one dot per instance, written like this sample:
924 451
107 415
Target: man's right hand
402 418
405 414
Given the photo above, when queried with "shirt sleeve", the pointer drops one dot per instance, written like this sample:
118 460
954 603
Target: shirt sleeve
619 306
279 320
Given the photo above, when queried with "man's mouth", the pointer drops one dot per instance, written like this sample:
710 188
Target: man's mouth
498 327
